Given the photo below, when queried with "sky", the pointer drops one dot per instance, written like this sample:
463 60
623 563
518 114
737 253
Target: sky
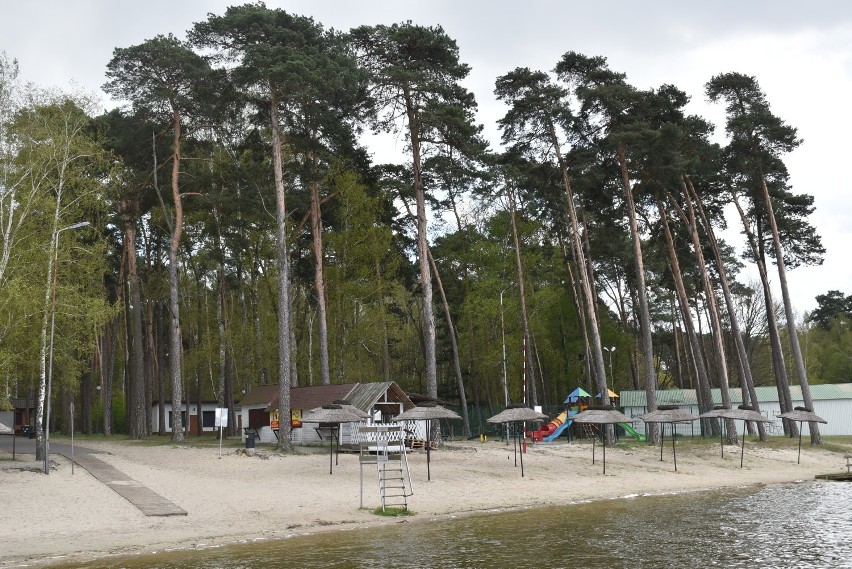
800 53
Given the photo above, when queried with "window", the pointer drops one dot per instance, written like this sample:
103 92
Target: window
182 418
208 419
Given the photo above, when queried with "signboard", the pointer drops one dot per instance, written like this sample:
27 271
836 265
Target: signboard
221 417
296 418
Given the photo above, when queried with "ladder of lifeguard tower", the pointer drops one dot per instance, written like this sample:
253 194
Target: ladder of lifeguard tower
384 446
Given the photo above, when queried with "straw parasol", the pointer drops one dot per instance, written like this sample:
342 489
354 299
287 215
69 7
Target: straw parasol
801 415
716 413
427 411
351 408
670 414
335 414
745 413
601 415
517 413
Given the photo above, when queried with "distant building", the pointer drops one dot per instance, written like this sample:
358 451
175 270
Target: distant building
832 402
258 410
205 420
22 415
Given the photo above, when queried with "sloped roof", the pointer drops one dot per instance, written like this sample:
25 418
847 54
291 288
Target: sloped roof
365 395
360 395
314 396
765 394
260 395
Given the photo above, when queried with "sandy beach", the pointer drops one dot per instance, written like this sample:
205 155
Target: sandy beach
65 517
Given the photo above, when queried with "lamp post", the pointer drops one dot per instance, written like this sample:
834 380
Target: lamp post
610 351
52 327
98 409
503 334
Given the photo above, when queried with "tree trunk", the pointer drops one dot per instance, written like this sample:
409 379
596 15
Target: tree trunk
422 251
742 355
712 308
590 299
284 349
529 377
785 399
319 279
175 338
705 397
136 421
642 294
788 311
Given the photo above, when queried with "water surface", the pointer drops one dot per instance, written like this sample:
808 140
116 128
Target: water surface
805 525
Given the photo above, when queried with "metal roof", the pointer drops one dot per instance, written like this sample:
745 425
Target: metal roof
765 393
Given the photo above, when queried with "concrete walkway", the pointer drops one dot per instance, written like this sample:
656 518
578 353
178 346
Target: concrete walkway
149 502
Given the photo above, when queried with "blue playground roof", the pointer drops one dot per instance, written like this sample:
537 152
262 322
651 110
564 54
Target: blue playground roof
576 394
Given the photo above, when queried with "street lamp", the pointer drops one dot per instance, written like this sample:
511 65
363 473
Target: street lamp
503 334
52 327
98 408
610 351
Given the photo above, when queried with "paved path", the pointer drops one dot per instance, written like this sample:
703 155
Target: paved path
148 501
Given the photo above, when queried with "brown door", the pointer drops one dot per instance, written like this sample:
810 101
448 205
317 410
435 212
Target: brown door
193 425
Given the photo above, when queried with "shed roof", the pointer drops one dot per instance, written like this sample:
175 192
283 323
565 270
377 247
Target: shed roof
360 395
365 395
765 394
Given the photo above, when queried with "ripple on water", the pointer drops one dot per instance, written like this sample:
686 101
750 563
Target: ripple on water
799 525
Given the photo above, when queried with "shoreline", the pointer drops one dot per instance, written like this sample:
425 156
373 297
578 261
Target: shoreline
237 499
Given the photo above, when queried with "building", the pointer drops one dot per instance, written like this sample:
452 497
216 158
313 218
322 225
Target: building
832 402
21 418
207 419
258 410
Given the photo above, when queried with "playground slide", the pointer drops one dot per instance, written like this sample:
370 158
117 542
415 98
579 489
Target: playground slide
631 431
554 428
559 429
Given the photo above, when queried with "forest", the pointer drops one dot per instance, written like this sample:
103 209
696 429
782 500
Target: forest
224 226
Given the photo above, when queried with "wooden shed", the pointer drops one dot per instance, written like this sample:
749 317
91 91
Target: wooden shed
258 410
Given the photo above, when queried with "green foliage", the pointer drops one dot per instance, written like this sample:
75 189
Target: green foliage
831 307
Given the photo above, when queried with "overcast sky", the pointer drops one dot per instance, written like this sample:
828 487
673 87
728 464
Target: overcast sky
800 52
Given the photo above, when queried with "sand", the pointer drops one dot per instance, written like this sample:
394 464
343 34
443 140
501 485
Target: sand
67 517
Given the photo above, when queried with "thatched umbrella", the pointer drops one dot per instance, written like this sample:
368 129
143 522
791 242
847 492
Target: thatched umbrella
716 413
334 414
670 414
517 413
801 415
427 411
351 408
601 415
745 413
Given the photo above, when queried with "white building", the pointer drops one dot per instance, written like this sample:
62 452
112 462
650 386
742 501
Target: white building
832 402
207 419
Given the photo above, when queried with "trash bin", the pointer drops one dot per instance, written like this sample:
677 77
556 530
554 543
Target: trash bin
249 440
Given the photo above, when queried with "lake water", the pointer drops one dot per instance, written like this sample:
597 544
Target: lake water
804 525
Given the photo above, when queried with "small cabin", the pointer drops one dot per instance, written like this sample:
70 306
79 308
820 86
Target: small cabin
200 421
258 410
21 418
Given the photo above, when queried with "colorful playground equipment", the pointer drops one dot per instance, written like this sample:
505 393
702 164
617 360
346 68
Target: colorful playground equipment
577 401
628 428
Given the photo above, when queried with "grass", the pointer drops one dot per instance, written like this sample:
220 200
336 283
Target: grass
393 512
